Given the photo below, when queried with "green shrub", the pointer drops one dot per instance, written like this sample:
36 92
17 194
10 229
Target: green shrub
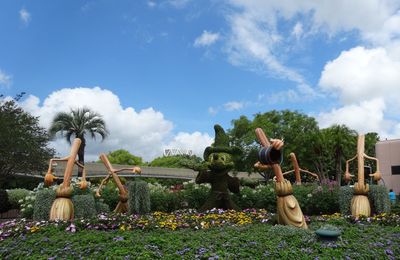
4 203
324 199
345 196
266 198
195 195
247 198
378 195
303 194
84 206
26 205
44 200
395 209
138 197
101 207
16 195
166 201
110 195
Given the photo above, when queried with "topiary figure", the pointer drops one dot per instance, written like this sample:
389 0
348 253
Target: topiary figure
219 162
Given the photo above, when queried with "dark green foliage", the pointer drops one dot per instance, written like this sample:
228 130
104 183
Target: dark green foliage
138 197
122 156
84 206
195 195
23 143
178 161
345 196
166 201
21 181
102 207
395 208
110 195
4 203
324 199
378 195
43 202
16 195
297 129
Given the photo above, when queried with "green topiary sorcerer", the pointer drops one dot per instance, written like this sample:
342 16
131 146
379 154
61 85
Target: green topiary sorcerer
219 163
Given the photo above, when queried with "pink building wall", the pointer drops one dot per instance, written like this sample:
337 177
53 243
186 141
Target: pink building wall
388 153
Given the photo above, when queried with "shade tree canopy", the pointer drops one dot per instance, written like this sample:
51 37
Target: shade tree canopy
23 143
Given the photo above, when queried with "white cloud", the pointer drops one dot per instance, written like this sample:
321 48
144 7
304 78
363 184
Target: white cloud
365 116
366 81
206 39
24 16
196 142
302 93
144 133
256 42
297 30
5 79
361 74
253 43
233 105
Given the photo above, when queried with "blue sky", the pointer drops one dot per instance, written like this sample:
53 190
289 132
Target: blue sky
162 73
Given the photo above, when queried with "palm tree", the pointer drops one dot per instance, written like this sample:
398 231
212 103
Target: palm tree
77 124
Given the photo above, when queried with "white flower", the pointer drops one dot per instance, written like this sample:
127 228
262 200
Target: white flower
29 206
309 195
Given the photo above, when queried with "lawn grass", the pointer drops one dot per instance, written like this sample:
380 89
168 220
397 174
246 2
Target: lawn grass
251 241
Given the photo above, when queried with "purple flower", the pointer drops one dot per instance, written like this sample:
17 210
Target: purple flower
118 238
183 251
388 251
71 228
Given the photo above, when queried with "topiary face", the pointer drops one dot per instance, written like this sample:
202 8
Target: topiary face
220 161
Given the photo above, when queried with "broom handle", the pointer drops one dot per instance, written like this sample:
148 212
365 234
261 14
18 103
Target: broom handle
265 143
71 162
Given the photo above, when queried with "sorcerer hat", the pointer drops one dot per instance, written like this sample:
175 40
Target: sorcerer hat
221 144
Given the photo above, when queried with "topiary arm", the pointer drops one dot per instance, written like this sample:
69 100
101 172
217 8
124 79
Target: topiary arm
233 184
203 177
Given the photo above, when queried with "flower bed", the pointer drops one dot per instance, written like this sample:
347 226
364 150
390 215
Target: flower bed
192 235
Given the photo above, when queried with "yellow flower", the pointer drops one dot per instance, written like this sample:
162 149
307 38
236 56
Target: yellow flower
34 229
122 227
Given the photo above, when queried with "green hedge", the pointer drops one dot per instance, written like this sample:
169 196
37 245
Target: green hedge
138 197
313 199
43 202
84 206
15 196
378 196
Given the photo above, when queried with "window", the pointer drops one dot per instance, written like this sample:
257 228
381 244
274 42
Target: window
395 169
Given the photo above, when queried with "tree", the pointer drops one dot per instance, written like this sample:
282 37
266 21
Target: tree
23 143
122 156
340 142
78 123
297 130
178 161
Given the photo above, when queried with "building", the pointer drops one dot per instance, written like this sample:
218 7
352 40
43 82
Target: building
388 153
178 151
